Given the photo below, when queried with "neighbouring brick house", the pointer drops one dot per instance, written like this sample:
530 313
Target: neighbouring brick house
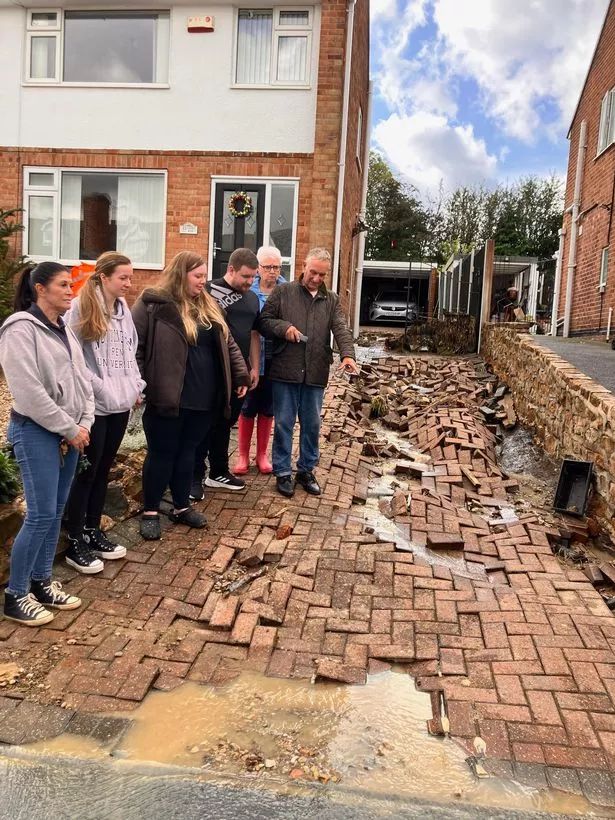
129 128
592 265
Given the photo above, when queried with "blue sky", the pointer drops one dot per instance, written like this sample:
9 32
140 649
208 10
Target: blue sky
472 91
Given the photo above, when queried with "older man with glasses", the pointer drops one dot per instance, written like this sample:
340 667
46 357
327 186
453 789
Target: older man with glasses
259 402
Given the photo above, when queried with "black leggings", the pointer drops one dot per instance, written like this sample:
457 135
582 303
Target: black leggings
87 496
171 446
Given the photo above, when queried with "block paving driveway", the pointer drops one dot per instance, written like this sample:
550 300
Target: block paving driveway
514 646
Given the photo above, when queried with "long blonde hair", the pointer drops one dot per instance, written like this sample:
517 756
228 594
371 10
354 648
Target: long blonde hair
94 316
194 311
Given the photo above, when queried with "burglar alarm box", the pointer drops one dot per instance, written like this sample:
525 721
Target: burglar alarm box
573 487
202 23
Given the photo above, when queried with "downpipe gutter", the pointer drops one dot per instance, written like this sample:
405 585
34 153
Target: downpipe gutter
574 227
358 285
557 285
343 145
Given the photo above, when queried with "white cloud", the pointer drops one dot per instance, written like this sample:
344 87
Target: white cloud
521 56
427 149
528 61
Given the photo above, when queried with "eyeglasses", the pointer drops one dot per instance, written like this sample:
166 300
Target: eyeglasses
271 268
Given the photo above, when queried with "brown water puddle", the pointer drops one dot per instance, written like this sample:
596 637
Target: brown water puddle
289 732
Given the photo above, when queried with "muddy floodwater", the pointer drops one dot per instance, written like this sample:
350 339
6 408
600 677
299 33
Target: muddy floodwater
371 738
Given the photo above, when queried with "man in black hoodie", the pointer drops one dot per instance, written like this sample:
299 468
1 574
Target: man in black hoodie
241 308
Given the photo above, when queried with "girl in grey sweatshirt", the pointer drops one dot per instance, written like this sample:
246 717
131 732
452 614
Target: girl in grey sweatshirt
53 410
102 322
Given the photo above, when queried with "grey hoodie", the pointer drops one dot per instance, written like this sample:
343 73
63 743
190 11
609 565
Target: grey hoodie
116 380
48 385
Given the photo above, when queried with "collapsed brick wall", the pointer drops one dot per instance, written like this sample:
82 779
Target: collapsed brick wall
572 415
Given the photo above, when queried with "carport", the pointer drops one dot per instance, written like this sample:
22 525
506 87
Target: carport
395 277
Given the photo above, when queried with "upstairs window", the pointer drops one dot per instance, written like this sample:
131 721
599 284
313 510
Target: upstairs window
98 47
273 47
606 134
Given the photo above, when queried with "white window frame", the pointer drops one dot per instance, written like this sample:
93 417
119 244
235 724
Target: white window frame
278 30
58 31
56 193
606 124
604 269
268 182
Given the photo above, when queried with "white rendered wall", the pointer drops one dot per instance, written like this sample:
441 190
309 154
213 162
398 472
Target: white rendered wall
200 111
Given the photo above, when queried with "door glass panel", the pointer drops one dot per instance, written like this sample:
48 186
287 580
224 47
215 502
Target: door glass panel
228 225
281 220
250 239
40 226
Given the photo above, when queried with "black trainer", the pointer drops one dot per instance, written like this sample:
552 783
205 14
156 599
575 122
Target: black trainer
101 547
190 517
197 493
50 593
25 610
309 483
80 557
225 481
150 527
285 485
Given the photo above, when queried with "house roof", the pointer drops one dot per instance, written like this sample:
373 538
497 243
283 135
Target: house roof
610 8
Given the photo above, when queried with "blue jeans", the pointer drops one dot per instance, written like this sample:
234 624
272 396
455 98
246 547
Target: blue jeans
290 401
46 483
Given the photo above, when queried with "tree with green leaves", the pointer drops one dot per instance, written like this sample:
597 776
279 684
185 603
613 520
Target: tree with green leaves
398 223
9 263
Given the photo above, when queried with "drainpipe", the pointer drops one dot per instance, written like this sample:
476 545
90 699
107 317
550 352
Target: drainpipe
343 144
557 285
574 227
358 285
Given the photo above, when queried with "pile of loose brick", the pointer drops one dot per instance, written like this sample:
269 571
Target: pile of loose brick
513 645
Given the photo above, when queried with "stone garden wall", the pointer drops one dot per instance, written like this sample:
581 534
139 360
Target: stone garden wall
572 415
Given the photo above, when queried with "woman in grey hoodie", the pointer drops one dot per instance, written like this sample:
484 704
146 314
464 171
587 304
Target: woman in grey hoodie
51 417
103 324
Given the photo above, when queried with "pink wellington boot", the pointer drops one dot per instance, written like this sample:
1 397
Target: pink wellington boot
263 434
244 439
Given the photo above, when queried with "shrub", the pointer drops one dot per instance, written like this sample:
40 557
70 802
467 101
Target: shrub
10 486
9 263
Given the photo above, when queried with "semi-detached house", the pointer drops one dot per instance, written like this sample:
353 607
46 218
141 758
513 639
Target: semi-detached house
132 127
585 280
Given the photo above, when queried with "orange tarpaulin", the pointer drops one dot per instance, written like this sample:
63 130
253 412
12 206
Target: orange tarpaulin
79 274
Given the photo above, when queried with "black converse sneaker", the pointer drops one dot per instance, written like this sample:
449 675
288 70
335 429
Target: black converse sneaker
101 547
50 593
79 556
25 610
226 481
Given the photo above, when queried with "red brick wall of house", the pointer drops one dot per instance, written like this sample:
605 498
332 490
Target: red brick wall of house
589 308
188 189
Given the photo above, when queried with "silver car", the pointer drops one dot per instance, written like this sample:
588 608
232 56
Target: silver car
390 306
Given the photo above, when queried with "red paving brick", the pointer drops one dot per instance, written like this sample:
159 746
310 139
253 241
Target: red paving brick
521 647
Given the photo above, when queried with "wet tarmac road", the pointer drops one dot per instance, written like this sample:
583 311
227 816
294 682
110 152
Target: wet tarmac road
595 359
36 788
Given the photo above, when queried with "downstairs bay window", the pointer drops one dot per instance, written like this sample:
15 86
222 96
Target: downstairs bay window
75 215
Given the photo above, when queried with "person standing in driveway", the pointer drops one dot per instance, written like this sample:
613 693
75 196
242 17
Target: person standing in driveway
192 368
51 418
241 310
101 320
300 317
259 402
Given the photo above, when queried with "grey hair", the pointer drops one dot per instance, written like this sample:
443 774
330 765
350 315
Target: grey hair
268 250
320 254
